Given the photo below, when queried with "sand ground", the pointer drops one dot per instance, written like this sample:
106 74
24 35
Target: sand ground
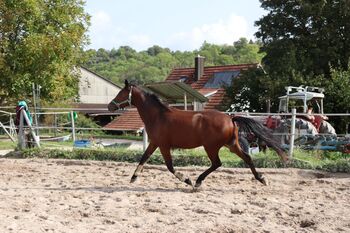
38 195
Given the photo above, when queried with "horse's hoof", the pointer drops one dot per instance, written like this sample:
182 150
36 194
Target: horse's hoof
198 184
264 181
188 181
196 189
133 179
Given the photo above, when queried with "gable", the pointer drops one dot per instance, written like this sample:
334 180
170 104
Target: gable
94 89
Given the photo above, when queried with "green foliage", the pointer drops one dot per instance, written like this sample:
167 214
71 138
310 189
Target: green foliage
6 145
305 43
337 93
41 42
85 122
306 36
156 62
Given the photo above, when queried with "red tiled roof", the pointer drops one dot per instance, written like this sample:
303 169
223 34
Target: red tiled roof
206 91
129 120
209 71
215 100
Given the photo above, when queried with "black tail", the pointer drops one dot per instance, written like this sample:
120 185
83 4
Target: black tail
248 125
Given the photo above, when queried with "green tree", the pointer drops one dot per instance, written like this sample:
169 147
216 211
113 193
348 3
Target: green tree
301 40
41 41
155 63
156 49
253 90
337 95
239 53
307 36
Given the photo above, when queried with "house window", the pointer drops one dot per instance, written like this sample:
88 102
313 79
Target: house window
221 79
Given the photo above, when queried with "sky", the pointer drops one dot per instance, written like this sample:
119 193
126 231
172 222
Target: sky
179 25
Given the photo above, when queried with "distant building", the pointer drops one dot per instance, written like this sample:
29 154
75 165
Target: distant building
95 92
208 81
95 89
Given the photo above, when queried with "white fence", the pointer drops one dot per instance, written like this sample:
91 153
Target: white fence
9 128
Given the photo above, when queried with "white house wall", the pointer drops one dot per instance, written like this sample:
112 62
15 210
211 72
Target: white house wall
94 89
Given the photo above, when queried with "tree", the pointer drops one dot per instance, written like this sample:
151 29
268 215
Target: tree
240 52
252 91
41 41
156 49
308 36
337 95
155 63
302 41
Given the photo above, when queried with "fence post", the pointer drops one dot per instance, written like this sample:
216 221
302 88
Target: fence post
21 138
73 125
55 124
35 137
292 134
7 132
145 139
13 131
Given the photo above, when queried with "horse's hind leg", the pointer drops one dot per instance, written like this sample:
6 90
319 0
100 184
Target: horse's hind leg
149 151
213 155
169 163
248 160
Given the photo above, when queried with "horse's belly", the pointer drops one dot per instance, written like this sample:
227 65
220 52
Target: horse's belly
182 139
193 133
186 140
185 145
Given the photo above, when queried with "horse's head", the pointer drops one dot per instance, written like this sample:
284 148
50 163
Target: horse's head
123 99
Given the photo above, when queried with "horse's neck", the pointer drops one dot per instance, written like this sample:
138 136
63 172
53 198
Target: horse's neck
148 111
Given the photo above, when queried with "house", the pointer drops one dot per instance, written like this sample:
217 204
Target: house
208 81
95 92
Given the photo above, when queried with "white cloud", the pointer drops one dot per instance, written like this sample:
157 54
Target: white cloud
140 42
100 22
225 31
104 33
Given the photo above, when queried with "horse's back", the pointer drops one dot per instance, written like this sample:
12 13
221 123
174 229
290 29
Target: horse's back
188 129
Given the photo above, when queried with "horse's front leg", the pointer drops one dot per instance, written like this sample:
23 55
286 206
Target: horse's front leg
149 151
169 163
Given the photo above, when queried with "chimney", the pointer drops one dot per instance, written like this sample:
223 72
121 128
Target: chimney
199 67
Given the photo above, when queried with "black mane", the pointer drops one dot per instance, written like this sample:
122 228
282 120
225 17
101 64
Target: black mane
157 101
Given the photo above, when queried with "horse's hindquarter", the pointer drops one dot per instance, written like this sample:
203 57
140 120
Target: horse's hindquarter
188 129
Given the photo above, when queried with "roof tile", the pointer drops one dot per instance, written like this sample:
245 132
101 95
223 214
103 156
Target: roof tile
129 120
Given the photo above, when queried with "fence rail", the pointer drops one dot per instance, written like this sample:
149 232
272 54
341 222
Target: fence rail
72 127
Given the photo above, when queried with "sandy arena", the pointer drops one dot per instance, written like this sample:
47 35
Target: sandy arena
82 196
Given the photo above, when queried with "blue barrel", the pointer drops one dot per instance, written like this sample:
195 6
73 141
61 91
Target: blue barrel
82 143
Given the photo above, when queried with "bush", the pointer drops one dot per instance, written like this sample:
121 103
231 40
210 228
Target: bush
192 158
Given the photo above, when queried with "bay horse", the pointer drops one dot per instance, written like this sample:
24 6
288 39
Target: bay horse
169 128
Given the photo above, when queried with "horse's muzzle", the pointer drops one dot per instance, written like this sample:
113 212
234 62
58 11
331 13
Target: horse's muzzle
112 107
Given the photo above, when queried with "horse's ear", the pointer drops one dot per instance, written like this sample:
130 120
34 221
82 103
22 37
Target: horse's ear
126 82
